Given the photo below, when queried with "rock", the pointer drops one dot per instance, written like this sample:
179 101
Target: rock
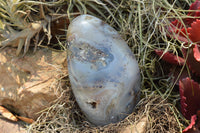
10 127
103 72
29 84
139 127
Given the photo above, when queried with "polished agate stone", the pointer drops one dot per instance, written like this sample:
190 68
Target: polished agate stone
103 71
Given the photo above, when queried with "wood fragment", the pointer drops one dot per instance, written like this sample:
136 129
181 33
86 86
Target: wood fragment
25 119
7 114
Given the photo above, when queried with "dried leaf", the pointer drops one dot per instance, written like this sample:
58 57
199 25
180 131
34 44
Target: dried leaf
7 114
169 57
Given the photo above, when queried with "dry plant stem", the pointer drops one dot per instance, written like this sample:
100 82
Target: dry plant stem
13 16
23 37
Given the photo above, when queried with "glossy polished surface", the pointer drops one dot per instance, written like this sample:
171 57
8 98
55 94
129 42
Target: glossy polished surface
103 71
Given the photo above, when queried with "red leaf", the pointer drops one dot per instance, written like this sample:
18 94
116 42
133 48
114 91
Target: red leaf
169 57
177 24
177 31
192 123
194 31
192 62
194 6
190 97
196 53
178 73
194 126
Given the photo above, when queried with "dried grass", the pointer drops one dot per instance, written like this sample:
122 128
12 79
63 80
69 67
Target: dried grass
66 117
142 24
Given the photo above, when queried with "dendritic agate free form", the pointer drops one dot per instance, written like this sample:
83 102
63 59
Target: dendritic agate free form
103 71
